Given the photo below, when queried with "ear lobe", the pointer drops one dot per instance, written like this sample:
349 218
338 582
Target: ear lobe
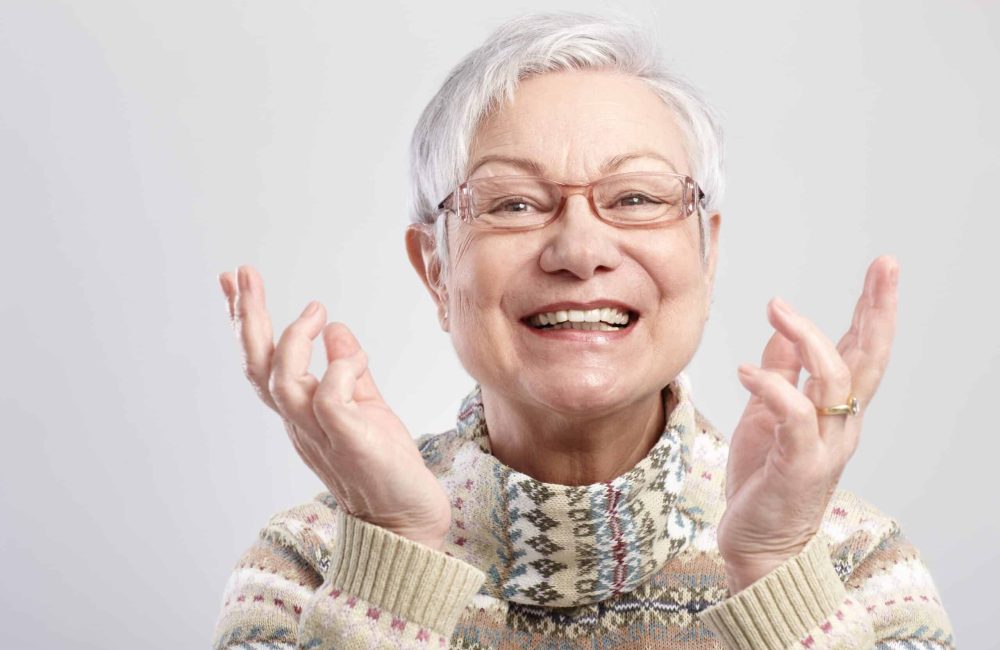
714 225
422 251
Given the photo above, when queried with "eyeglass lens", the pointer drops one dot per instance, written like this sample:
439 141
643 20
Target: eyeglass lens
518 202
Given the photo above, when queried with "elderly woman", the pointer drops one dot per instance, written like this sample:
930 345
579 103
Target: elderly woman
566 225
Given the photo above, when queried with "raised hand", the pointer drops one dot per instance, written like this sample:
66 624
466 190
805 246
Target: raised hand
340 425
785 458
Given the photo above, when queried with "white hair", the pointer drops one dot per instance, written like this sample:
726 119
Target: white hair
533 44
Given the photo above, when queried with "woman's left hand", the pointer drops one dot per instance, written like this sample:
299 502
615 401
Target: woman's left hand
785 459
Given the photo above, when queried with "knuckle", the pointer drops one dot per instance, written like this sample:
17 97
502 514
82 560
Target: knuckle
327 412
767 375
279 388
240 303
841 374
321 407
803 410
320 404
250 373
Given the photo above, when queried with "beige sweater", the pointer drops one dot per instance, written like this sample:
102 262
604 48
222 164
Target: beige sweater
631 563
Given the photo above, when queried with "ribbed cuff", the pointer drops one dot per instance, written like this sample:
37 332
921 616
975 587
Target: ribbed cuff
778 610
413 581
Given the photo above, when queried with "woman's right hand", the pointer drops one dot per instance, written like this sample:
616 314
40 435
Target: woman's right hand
340 425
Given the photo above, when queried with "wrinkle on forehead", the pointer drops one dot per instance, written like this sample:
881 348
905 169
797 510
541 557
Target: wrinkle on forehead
570 134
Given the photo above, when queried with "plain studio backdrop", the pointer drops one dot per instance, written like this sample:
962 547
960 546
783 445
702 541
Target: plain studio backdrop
147 146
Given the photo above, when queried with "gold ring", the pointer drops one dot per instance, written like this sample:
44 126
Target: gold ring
852 407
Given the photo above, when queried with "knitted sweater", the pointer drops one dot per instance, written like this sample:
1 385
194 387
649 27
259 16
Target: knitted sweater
630 563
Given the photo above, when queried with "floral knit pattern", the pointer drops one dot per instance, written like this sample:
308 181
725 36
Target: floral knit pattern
630 563
559 545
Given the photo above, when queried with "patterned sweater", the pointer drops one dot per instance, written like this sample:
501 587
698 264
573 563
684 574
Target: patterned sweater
630 563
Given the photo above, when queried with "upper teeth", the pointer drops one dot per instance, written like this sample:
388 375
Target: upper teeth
606 314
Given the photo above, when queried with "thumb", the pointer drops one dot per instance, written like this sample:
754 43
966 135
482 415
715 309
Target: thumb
341 343
781 356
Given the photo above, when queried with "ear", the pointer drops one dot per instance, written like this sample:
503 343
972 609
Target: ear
422 250
714 225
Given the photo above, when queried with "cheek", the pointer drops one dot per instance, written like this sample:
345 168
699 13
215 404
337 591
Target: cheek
680 278
479 326
483 269
475 285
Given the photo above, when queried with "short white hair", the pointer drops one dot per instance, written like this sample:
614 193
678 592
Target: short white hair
530 45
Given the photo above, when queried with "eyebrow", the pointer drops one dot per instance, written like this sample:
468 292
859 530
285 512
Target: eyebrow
609 165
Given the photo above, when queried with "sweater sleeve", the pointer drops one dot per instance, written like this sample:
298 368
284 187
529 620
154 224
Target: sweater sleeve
887 599
376 589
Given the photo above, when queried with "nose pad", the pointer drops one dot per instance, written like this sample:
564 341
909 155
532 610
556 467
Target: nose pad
580 242
573 204
583 201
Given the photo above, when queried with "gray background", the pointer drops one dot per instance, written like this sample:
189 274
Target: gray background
147 146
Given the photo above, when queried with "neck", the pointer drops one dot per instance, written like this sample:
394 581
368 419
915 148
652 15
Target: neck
555 448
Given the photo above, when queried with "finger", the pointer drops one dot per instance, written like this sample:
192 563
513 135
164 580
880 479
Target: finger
340 342
781 356
796 428
849 338
291 384
229 289
335 404
867 345
254 326
829 380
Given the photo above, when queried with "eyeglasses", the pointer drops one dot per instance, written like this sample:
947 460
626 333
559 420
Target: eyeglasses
631 200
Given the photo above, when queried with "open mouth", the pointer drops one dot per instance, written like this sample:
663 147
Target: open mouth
604 319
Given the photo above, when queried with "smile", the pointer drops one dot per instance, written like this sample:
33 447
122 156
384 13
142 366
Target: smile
606 319
596 316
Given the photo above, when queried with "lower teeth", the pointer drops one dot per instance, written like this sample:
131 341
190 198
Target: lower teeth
599 327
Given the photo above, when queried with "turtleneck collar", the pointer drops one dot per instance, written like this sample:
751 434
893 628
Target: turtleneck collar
560 545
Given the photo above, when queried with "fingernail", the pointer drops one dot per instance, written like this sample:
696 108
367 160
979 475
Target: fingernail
782 306
746 371
894 276
241 278
310 309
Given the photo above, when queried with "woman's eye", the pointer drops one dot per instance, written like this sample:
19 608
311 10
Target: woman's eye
513 205
634 199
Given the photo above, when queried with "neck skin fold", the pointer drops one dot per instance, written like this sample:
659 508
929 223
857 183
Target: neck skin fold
552 448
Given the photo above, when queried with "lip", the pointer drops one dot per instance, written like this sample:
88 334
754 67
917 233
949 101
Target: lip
583 336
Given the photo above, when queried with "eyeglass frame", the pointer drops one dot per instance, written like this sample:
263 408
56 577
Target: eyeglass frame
691 205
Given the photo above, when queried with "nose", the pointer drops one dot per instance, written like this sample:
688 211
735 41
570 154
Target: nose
579 242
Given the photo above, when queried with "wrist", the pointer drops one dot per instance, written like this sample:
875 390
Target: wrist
433 542
432 538
741 572
739 576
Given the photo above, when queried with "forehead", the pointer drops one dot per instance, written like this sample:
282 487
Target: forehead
578 125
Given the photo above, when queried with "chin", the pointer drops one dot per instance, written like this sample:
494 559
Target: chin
581 392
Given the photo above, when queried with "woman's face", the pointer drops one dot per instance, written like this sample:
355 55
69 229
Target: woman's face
570 123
